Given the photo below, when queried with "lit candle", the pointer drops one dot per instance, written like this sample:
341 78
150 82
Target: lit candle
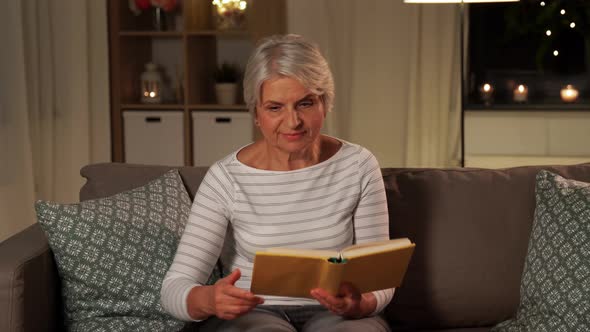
521 93
486 91
569 93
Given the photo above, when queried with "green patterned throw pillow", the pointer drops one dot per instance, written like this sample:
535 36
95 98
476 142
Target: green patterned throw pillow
112 254
555 286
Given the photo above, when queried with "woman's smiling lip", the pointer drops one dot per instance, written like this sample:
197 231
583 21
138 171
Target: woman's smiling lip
294 136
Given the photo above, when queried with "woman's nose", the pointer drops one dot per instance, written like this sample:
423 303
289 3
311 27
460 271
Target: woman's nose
293 119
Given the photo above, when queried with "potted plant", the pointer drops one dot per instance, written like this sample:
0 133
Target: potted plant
226 83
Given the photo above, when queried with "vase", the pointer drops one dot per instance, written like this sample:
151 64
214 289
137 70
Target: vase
226 93
159 19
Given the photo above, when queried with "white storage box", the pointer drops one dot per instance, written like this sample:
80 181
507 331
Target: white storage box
216 134
154 137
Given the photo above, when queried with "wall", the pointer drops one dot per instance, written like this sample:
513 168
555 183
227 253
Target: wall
495 139
99 85
371 95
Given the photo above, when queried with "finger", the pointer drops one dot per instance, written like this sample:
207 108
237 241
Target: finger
349 290
336 307
242 294
320 300
328 298
231 278
321 293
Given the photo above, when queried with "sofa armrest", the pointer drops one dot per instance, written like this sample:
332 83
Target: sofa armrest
29 284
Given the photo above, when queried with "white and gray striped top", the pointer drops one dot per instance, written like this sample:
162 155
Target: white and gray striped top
239 210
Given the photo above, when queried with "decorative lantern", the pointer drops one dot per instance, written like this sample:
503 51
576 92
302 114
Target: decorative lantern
151 84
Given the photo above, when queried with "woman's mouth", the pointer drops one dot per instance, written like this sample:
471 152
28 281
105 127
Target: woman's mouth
294 136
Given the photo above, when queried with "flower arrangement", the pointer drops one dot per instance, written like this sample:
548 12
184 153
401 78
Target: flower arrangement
137 6
231 14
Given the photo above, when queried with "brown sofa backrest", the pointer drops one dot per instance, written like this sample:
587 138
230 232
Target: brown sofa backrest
107 179
470 226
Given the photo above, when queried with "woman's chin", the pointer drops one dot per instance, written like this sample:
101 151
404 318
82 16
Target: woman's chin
294 146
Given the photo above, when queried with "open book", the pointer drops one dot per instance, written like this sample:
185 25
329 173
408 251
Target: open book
368 266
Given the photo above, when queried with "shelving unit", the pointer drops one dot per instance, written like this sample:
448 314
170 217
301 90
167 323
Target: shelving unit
192 51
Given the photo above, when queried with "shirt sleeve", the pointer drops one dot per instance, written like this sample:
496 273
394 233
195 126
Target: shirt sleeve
371 218
200 244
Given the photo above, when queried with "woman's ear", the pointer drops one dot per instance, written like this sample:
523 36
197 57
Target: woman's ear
255 115
323 103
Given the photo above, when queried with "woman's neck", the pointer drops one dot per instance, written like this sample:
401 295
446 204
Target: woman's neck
263 156
278 160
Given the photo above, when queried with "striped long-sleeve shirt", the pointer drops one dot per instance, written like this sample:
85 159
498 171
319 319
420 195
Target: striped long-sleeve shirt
239 210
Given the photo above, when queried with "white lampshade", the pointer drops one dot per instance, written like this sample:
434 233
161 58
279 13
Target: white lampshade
457 1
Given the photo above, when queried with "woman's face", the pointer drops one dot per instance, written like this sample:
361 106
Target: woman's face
289 115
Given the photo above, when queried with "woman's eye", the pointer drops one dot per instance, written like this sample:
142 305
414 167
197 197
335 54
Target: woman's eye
306 104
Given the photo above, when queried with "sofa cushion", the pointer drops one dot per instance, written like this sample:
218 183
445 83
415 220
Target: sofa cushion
471 229
112 254
555 286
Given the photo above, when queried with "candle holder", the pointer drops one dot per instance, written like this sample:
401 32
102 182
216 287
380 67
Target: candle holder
520 94
151 85
569 94
486 92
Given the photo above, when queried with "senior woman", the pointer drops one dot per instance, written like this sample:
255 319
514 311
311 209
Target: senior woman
293 188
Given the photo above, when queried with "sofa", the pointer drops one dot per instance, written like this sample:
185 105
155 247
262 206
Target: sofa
471 228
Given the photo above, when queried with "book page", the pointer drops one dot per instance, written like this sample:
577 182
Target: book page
375 247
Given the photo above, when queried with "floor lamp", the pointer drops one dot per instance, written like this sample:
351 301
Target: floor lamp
462 57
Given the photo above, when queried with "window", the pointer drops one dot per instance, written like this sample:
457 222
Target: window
530 53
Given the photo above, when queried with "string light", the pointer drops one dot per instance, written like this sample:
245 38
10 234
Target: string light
542 3
572 25
562 12
548 32
555 53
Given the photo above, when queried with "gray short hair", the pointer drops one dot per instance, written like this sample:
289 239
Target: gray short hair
292 56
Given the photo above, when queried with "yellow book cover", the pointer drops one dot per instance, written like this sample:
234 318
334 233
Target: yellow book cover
368 266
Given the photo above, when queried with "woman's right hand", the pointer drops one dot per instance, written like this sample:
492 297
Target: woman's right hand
223 299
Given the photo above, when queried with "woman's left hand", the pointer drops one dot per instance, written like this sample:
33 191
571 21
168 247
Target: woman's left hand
349 302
